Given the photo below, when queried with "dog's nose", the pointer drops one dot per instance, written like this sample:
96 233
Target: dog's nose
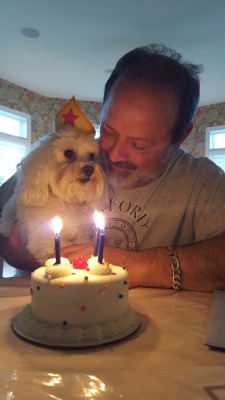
88 170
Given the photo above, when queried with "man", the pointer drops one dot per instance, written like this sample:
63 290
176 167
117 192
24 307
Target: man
162 196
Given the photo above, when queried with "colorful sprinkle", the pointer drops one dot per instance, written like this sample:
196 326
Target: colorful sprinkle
113 273
120 296
62 286
86 278
125 282
105 287
82 308
31 291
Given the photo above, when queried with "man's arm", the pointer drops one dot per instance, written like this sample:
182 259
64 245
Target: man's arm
6 190
14 251
202 264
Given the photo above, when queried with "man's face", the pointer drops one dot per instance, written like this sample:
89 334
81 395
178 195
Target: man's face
136 133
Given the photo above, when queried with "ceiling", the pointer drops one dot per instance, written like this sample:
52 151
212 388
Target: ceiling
80 40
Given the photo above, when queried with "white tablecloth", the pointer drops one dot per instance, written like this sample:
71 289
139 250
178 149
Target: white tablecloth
165 359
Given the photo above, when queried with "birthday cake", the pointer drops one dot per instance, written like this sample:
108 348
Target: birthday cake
75 306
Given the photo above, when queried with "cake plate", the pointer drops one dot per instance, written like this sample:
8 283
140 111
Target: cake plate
26 326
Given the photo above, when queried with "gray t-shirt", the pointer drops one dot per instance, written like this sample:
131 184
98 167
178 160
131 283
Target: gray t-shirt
185 205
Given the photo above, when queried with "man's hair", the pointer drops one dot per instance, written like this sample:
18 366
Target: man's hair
162 68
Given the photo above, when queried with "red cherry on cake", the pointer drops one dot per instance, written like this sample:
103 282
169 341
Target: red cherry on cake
80 263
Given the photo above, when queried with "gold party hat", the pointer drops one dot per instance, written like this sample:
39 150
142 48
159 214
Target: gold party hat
71 114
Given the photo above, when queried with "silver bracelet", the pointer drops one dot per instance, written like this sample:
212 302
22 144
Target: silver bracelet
175 265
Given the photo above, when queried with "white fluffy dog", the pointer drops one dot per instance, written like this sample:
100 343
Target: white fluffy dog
61 177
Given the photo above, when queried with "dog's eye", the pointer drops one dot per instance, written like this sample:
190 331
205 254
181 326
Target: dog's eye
69 154
91 156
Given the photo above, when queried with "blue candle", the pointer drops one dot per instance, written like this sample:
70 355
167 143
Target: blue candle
101 247
96 244
57 227
57 248
97 233
101 225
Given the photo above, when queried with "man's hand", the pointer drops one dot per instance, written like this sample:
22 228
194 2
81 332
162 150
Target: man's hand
111 255
71 252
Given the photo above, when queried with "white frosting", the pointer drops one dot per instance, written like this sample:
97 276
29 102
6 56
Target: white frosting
54 271
57 335
98 269
80 298
77 306
51 261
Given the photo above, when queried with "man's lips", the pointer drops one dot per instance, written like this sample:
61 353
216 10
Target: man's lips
122 167
119 169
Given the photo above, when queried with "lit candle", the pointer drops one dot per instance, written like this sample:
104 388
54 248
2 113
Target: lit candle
57 227
97 233
101 224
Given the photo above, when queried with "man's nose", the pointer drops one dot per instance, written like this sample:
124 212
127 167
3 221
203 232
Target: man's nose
118 152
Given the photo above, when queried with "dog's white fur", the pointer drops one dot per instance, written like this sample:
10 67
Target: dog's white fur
55 179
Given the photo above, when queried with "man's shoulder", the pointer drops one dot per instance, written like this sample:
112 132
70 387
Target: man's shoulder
191 162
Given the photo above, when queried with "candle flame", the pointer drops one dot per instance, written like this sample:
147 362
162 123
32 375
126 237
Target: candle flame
56 225
99 220
96 218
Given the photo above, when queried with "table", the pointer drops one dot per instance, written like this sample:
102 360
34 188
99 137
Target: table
165 359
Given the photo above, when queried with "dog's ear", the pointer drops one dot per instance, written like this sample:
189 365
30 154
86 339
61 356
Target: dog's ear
32 185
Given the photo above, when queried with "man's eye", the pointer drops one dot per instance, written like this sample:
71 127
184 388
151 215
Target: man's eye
69 154
140 148
110 133
91 156
107 132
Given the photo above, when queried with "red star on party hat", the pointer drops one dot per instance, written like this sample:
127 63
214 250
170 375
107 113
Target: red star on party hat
71 114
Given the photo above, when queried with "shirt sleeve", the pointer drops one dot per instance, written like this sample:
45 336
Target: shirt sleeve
6 191
209 218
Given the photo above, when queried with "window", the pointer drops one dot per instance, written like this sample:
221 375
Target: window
15 139
215 145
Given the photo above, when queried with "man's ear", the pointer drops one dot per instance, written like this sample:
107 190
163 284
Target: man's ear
185 135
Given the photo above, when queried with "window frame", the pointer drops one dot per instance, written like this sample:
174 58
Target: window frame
21 116
213 151
24 119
